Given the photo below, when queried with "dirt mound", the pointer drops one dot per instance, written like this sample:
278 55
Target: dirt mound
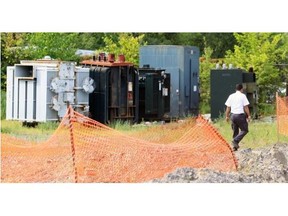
263 165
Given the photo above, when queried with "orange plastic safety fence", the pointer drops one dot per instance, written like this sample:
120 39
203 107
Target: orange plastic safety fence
282 114
84 150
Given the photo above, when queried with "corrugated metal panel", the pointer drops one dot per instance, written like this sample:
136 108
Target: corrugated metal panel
81 96
22 99
51 114
41 94
30 100
10 93
15 98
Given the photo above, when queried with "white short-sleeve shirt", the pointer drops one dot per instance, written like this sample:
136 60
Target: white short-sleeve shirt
237 101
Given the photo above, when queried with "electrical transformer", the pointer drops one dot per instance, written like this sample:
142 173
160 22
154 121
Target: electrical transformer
223 83
115 96
154 94
182 63
40 90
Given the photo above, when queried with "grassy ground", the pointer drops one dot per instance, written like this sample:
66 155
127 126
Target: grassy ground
39 133
261 132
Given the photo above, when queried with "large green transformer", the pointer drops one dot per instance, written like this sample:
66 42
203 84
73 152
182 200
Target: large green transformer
223 83
154 94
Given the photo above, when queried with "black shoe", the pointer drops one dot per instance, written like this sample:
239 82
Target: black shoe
235 146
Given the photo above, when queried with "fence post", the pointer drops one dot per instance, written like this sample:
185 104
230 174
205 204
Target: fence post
277 116
70 112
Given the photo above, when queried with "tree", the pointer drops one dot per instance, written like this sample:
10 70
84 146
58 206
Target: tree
12 45
205 67
260 51
60 46
90 41
218 42
161 38
124 43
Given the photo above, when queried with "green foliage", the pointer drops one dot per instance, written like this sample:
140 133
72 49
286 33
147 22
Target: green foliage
161 38
204 108
12 46
191 39
3 105
267 109
48 126
219 42
124 43
56 45
260 51
120 125
90 41
205 67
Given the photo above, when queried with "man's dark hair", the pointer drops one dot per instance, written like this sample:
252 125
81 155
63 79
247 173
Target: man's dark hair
239 87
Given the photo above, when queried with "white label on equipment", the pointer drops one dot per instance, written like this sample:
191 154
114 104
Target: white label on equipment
165 92
130 86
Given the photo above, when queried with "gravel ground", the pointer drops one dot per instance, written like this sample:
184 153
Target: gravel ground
263 165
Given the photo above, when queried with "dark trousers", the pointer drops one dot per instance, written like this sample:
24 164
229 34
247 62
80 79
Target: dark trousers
239 122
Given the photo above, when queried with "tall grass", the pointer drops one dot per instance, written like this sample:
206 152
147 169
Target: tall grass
267 109
120 125
205 108
126 126
262 133
39 133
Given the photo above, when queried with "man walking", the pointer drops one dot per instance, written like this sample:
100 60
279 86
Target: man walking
237 105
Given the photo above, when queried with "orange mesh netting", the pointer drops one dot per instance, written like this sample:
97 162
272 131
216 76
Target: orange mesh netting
282 114
84 150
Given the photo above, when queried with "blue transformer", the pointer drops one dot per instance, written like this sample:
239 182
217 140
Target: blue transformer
182 62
